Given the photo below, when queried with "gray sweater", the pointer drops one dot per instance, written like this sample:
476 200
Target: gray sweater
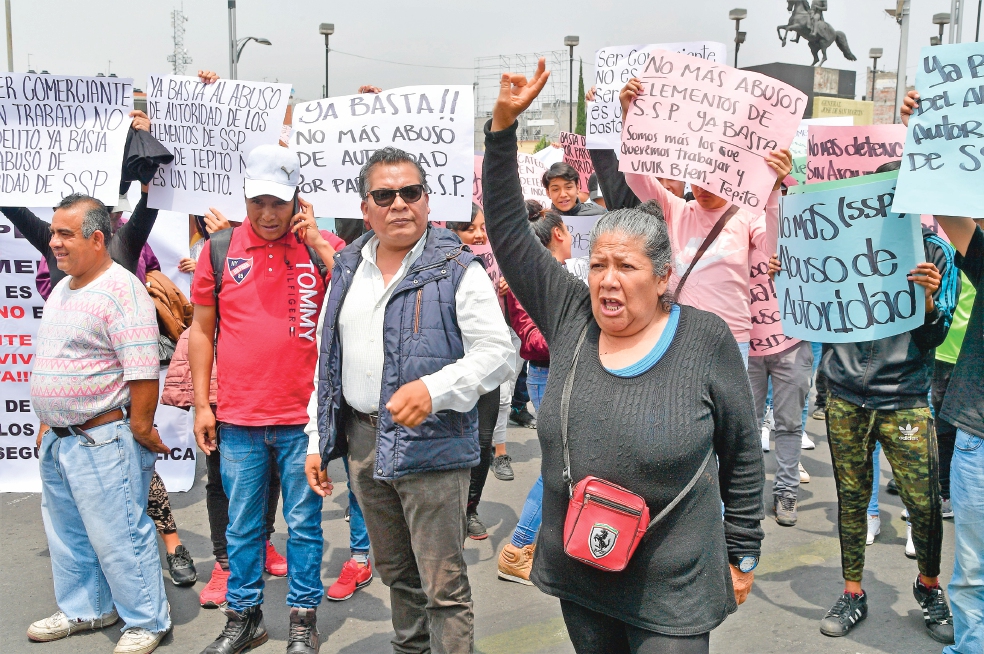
649 434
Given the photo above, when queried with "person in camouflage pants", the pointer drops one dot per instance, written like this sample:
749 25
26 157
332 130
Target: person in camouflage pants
909 442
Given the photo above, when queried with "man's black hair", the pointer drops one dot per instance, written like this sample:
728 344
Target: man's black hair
96 218
389 156
563 171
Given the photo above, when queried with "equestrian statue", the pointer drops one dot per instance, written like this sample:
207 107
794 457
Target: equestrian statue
808 22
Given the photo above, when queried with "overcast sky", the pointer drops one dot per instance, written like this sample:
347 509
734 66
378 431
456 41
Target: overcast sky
82 38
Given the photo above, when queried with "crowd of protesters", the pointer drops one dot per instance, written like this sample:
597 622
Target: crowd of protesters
648 391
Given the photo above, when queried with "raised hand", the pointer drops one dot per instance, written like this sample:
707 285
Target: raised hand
780 161
909 104
516 93
590 95
629 93
369 88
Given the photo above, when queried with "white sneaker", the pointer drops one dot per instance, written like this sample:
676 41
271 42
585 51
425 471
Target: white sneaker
874 528
770 420
139 641
910 547
807 444
804 475
58 626
766 432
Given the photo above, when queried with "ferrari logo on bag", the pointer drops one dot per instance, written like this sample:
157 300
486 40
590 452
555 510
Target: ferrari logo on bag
601 540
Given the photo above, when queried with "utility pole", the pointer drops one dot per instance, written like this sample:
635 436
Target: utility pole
956 21
10 41
902 17
179 59
232 40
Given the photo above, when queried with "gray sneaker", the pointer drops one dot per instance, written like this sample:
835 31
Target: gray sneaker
476 529
59 625
502 468
947 509
785 508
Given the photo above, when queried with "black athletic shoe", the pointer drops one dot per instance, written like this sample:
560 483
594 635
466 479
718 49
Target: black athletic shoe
303 637
936 612
846 612
522 418
243 631
476 529
891 487
502 468
181 567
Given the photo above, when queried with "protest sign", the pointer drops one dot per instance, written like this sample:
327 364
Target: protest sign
616 65
334 137
841 152
577 157
491 268
477 183
580 228
710 125
579 267
61 135
943 160
798 146
550 155
210 129
531 172
20 315
799 169
845 257
861 111
766 336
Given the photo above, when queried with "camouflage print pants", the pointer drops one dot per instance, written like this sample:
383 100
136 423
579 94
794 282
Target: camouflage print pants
909 442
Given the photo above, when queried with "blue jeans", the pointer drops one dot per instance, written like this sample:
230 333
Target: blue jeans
247 453
358 535
876 478
817 352
743 348
967 583
532 516
103 545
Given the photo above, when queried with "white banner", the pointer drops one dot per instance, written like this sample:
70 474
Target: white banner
531 171
20 314
210 129
614 67
61 135
334 137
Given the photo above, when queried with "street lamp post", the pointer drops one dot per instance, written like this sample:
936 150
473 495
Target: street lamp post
901 16
327 29
942 20
875 54
236 45
570 42
738 15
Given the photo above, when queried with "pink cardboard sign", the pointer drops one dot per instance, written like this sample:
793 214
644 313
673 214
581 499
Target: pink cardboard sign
491 267
477 184
841 151
710 125
766 335
576 156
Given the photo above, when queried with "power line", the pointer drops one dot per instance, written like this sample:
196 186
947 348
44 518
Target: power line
400 63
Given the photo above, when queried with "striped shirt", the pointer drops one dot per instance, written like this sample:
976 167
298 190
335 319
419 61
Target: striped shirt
91 342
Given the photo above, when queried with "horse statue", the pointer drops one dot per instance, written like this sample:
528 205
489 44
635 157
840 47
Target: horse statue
809 23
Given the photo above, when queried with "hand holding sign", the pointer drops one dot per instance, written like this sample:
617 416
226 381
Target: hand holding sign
515 96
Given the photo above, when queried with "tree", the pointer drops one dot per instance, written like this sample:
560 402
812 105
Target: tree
582 110
541 144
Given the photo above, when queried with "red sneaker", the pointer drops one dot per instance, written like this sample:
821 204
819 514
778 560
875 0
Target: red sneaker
354 576
275 564
214 594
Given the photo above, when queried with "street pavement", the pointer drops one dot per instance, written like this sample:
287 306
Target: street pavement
796 582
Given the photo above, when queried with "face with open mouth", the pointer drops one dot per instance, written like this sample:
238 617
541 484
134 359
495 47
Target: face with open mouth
625 295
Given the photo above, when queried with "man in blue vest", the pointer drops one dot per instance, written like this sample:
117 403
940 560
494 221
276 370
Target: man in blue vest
410 337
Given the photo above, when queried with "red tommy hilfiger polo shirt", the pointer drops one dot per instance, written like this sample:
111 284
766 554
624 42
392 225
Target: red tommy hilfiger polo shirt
269 305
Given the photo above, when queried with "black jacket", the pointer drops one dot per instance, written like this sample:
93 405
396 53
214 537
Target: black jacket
583 209
896 372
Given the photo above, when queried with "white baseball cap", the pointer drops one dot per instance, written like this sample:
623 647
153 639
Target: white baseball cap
272 170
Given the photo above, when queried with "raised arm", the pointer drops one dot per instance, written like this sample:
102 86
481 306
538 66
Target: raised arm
129 239
36 231
541 286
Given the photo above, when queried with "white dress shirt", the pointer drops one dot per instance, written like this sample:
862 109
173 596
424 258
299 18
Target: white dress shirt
488 358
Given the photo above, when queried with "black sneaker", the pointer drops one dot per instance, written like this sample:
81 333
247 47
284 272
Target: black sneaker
181 567
891 487
243 631
819 413
502 468
522 418
936 612
303 637
785 509
476 530
846 612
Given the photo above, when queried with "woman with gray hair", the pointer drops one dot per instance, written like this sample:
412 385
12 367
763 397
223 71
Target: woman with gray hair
647 409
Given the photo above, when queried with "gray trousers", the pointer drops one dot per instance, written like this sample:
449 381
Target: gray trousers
417 526
791 371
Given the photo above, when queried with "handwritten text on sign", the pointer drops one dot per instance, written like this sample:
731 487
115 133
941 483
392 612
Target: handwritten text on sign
61 135
845 258
843 152
616 65
943 167
477 180
210 129
766 336
334 137
531 172
710 125
576 156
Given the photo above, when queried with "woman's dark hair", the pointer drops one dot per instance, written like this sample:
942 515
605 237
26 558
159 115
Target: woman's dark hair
460 226
563 171
889 166
543 222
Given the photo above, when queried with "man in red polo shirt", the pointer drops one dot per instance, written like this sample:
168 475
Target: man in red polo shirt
267 313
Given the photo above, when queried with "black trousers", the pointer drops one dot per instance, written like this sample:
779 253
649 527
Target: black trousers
946 434
488 412
596 633
217 506
521 395
821 383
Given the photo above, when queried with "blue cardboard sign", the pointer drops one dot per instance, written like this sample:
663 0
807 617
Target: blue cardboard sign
943 162
845 257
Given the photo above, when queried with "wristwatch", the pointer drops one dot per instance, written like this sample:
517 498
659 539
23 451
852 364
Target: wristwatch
744 564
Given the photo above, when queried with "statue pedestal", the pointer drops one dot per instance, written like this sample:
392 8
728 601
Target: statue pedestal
813 81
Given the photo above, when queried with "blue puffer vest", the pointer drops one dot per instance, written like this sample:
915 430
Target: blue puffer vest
420 336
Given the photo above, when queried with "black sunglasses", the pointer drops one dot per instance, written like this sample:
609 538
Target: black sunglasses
384 197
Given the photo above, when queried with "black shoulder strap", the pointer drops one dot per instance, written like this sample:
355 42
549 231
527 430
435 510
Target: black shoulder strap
708 240
316 260
219 250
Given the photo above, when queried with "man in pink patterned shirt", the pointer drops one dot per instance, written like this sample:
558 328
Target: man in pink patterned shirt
94 386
